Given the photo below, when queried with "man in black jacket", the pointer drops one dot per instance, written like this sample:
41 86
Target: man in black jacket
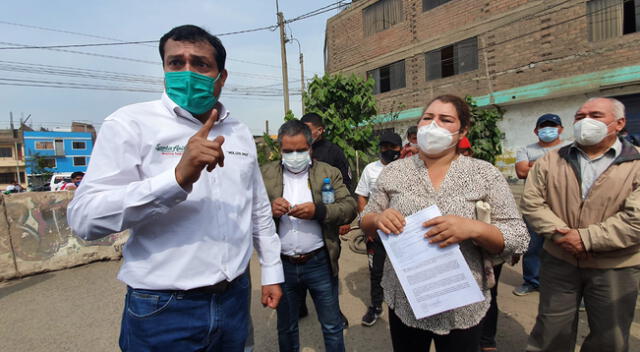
324 150
327 152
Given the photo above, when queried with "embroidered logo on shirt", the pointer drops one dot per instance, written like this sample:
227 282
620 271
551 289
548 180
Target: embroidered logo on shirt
170 149
231 152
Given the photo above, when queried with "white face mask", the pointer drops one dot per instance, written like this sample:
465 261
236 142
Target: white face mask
296 162
433 139
588 131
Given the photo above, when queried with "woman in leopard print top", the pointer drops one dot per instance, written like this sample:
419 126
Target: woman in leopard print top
454 183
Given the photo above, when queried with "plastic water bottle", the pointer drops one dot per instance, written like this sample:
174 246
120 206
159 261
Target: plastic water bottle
328 194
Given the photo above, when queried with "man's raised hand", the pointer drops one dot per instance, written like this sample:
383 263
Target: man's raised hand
200 153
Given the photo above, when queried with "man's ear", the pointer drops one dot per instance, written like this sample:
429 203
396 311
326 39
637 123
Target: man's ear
223 77
620 124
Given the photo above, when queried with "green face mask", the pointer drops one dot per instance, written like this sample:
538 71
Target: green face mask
191 91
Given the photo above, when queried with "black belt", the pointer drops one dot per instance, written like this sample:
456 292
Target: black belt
301 258
219 288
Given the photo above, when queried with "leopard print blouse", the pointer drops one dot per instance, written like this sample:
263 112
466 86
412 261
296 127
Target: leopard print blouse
405 186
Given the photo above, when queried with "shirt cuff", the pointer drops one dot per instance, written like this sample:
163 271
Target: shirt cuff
272 274
586 240
166 190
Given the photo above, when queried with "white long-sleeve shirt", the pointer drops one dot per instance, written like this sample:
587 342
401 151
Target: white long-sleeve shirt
298 236
179 240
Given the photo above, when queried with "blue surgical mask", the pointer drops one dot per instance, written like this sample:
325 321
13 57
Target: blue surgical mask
191 91
296 162
548 134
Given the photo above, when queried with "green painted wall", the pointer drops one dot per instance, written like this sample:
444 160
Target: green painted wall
588 82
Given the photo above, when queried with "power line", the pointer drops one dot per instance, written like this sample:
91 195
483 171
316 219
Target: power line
63 47
40 69
148 89
123 42
271 28
59 31
243 74
74 45
91 54
330 7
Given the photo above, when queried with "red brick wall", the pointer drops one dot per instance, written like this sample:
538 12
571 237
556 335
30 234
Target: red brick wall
535 41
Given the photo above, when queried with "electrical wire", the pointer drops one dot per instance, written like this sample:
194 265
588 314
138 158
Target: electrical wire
122 42
148 83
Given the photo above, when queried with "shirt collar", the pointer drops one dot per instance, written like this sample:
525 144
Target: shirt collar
177 111
616 149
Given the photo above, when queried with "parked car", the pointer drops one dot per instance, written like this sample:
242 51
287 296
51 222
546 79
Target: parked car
41 188
57 180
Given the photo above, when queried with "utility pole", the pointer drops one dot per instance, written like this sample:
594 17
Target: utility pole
302 81
301 71
14 133
283 53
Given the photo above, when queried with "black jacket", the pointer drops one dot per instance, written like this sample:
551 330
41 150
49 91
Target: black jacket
327 152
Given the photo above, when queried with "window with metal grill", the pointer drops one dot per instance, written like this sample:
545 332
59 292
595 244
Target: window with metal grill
6 152
79 161
388 77
452 59
381 15
612 18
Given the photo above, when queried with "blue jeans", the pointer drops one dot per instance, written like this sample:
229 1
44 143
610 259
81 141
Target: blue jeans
316 276
531 260
178 321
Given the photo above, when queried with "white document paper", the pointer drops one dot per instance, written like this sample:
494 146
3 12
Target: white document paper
434 279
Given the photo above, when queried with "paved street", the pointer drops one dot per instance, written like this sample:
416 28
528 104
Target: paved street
79 310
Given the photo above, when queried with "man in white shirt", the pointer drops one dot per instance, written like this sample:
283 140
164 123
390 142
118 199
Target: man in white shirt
192 232
308 219
390 147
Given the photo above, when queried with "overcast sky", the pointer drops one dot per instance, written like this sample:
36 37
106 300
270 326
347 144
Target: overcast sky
253 59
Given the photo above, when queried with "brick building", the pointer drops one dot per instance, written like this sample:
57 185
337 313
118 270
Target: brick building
528 57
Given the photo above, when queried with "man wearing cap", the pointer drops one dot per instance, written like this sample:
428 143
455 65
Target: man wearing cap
390 146
548 129
307 223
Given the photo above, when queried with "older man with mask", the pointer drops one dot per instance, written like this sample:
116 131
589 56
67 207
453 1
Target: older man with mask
192 232
307 222
585 200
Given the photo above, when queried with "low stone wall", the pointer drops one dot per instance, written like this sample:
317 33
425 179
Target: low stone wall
35 236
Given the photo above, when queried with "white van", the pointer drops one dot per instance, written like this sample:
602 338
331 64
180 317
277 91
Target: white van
57 180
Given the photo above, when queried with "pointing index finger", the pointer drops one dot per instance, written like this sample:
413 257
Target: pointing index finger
203 132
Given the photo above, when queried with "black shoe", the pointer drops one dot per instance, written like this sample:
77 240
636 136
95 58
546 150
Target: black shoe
345 322
303 311
372 316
